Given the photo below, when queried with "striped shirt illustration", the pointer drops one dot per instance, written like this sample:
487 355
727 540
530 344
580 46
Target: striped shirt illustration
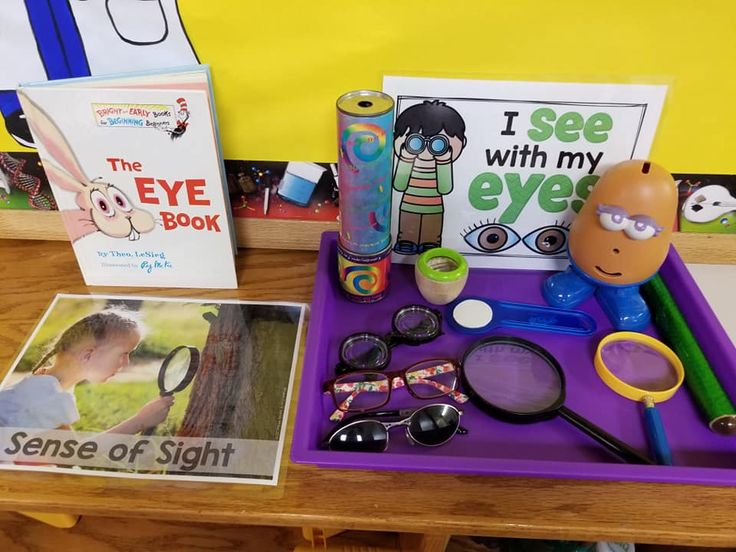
423 187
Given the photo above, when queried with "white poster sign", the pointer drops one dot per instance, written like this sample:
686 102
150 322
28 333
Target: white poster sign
498 170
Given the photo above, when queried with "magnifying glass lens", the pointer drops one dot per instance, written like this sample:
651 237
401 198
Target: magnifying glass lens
364 352
641 368
417 323
639 365
519 381
177 369
512 378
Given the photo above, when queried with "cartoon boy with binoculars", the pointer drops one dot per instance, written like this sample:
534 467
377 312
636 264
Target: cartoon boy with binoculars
429 137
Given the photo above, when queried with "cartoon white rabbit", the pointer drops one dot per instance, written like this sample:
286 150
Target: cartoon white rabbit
102 206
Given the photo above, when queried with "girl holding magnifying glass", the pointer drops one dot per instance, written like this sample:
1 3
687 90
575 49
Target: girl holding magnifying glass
94 349
429 137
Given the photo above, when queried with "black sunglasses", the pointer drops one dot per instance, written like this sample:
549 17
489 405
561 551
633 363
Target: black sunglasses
430 426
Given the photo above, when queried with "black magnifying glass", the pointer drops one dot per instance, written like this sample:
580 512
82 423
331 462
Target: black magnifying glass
176 372
411 325
517 381
178 369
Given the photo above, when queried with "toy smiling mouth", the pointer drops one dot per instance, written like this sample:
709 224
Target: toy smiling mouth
614 274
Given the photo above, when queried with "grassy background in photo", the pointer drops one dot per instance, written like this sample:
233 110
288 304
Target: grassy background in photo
102 406
167 325
170 325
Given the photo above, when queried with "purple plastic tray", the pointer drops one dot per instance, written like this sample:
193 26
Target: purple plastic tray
552 448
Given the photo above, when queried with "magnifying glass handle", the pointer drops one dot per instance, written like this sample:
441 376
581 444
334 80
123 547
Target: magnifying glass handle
624 451
657 437
550 319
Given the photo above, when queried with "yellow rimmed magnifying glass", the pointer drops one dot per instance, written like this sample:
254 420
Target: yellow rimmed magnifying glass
641 368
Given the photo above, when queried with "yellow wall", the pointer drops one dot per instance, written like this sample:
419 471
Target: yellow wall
279 66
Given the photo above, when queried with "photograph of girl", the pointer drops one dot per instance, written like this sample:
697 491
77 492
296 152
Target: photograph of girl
177 374
93 349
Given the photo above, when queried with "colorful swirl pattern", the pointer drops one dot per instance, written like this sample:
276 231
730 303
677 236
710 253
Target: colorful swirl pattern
362 279
365 141
364 166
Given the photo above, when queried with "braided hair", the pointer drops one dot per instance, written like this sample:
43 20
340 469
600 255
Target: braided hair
98 326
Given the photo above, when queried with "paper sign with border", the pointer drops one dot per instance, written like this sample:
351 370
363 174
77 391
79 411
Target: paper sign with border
497 170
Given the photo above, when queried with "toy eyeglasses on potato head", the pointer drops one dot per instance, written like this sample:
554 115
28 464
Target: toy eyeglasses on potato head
618 241
412 325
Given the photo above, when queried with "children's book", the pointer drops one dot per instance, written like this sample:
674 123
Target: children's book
153 388
135 166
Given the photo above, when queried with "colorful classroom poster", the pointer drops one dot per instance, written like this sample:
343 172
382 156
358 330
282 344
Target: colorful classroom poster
155 388
497 170
283 190
707 203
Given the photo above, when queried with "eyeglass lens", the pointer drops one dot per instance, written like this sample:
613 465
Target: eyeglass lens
434 425
432 379
364 351
416 322
363 436
361 391
430 426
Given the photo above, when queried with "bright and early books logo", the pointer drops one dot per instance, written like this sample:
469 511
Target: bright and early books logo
168 118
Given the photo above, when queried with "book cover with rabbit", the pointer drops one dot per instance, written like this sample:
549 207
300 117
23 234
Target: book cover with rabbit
136 173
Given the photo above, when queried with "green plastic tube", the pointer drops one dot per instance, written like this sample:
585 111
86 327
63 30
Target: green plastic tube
699 377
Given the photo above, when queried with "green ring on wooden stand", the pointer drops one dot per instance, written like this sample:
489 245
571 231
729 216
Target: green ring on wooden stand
438 275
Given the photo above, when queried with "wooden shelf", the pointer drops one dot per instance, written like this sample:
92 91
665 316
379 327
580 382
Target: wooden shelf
305 235
259 233
308 496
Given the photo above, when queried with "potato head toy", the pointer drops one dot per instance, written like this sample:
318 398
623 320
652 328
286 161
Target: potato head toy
618 241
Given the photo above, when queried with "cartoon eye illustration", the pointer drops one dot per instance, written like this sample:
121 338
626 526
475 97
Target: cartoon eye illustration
612 218
547 240
491 237
101 203
120 199
642 228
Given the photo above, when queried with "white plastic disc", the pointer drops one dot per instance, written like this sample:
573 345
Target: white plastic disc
472 314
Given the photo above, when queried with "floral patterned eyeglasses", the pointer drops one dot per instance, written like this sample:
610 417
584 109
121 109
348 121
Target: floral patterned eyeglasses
365 390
